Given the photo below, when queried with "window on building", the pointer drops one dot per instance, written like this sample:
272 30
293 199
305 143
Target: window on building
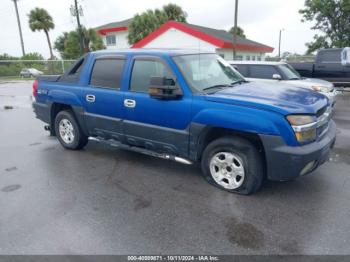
247 57
142 72
262 71
239 58
253 57
111 40
258 58
107 73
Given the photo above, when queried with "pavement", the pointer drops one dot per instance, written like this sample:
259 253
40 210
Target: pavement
102 200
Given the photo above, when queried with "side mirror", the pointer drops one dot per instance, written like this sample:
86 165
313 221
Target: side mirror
164 88
276 77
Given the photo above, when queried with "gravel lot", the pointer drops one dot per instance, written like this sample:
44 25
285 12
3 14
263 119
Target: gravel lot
106 201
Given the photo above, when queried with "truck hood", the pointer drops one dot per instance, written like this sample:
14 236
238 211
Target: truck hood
278 97
310 82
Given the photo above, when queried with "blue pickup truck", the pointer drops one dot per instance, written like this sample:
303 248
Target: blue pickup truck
190 107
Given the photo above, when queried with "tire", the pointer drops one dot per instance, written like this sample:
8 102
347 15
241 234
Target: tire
233 164
69 132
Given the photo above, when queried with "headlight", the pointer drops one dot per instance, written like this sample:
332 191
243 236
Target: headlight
322 89
304 127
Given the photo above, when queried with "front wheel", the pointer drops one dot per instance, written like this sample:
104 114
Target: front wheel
69 132
233 164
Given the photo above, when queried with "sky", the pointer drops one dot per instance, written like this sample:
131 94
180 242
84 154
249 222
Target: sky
261 20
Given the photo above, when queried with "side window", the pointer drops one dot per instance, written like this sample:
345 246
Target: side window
107 72
142 72
77 67
243 69
262 71
330 56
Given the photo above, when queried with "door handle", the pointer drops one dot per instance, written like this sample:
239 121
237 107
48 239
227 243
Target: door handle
90 98
129 103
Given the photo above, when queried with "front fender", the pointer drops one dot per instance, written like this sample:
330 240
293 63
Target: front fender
248 120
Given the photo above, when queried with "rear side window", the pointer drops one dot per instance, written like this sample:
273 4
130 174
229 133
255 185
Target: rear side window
329 56
262 71
243 69
142 72
107 73
77 67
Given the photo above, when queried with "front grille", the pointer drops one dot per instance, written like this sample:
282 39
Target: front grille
322 130
321 111
323 121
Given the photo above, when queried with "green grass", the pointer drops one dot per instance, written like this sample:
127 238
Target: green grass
12 78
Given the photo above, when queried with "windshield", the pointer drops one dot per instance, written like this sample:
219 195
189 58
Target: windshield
204 71
289 72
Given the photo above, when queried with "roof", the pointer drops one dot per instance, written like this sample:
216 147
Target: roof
219 38
114 27
255 63
151 51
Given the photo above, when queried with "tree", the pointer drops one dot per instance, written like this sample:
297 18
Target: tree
68 43
175 12
332 18
40 19
147 22
240 31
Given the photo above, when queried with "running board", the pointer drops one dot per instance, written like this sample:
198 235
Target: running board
141 150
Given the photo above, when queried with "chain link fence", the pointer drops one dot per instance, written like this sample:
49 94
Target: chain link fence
24 68
292 58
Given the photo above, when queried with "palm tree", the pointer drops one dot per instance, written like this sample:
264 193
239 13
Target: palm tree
40 19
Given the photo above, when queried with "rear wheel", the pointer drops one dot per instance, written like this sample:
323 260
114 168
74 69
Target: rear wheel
233 164
69 132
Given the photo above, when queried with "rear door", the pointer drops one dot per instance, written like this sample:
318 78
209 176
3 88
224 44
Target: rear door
155 124
103 99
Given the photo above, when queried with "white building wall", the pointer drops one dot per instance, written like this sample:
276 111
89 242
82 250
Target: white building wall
173 38
121 40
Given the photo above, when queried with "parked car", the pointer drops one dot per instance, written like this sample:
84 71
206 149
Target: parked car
330 64
191 108
283 73
30 72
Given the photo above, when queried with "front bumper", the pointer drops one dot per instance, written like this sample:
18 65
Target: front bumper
287 162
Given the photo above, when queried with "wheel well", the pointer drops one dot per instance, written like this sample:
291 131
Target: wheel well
55 109
213 133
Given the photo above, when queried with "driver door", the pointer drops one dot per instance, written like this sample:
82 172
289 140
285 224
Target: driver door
155 124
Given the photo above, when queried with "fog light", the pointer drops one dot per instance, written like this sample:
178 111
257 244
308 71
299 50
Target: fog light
307 168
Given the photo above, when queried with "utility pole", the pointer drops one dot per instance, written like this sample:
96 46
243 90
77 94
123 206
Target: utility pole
235 31
75 11
279 43
19 27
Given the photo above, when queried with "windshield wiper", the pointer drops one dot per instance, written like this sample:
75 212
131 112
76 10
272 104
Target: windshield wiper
238 82
294 78
216 87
